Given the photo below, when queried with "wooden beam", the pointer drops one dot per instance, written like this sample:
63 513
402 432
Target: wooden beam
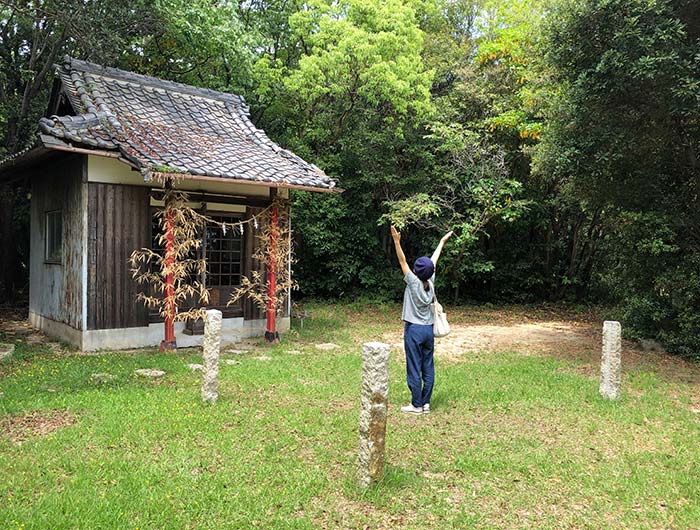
72 149
196 196
187 176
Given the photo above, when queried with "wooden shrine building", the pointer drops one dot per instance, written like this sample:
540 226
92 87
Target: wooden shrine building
93 197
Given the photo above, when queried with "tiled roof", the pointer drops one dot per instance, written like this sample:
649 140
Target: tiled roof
162 126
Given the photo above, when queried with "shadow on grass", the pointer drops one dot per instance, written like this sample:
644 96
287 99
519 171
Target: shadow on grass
443 398
395 480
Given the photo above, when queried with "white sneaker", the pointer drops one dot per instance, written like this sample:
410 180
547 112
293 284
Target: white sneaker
410 409
426 408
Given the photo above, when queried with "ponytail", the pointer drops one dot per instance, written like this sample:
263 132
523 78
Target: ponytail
426 286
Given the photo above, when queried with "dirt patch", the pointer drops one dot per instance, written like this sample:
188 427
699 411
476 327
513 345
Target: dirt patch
578 339
540 337
40 423
16 330
530 338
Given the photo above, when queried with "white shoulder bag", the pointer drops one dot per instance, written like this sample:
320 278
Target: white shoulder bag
440 325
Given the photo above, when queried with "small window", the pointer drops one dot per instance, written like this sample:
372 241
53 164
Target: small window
54 236
224 250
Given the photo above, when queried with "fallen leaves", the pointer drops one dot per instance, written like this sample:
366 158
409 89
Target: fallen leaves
39 423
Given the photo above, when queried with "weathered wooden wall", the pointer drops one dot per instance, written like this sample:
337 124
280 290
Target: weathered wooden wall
56 288
118 223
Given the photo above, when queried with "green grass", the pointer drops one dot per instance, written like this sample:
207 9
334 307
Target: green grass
514 442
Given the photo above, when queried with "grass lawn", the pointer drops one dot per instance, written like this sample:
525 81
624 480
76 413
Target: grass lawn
515 441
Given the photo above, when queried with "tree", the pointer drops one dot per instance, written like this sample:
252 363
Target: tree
625 136
474 190
34 34
198 42
496 87
353 99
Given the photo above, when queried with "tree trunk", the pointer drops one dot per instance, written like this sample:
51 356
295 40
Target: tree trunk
573 254
8 243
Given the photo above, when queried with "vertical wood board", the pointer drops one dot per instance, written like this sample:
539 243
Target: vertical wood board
119 220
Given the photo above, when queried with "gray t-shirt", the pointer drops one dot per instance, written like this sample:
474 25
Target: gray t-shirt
416 300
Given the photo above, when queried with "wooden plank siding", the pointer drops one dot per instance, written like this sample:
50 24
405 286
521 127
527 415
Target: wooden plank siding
118 223
56 288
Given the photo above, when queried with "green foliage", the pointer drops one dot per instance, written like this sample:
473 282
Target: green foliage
354 101
411 211
628 104
338 251
366 52
558 138
354 89
624 134
197 42
35 35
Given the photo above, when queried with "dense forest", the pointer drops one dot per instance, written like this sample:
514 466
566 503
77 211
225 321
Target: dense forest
558 139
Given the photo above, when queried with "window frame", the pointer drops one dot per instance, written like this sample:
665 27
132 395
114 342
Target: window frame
48 234
231 218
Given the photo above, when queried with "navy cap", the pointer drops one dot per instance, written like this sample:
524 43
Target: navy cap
423 268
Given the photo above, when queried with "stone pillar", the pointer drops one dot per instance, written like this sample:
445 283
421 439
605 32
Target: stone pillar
212 345
375 399
611 366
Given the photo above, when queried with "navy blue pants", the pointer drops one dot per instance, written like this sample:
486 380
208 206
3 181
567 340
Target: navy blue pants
419 344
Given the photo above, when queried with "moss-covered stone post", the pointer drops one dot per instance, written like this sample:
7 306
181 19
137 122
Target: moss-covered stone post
611 362
373 411
211 348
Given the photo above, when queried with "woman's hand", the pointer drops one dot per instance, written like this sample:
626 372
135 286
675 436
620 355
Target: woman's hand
399 251
438 250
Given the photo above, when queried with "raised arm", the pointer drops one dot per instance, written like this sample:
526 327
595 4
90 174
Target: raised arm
438 250
399 251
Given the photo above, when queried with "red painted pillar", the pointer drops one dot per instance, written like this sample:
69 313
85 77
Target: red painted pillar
169 343
271 334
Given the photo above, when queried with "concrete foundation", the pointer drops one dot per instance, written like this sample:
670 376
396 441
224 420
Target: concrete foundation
232 330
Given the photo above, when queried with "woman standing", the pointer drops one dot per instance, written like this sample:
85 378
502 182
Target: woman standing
418 338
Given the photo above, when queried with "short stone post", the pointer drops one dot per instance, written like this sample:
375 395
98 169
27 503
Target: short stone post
212 345
373 411
611 362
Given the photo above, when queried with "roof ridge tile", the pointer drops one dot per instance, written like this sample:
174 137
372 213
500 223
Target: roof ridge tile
72 64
